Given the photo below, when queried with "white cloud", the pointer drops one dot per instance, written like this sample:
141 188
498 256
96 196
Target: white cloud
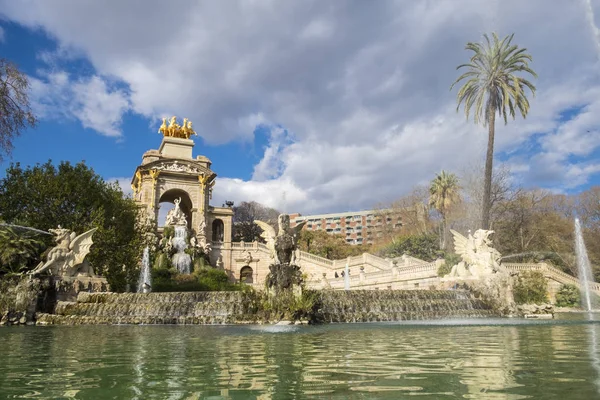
363 87
89 100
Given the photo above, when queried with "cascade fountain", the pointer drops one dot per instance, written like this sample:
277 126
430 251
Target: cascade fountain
583 266
181 260
176 218
145 282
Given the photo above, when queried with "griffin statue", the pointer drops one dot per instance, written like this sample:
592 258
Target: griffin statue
67 258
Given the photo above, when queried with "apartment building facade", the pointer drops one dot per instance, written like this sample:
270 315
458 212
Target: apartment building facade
358 227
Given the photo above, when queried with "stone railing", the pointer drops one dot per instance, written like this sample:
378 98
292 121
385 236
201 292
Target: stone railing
389 277
321 261
377 262
552 273
427 273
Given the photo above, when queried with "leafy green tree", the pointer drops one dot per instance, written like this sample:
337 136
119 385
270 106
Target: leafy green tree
75 197
244 216
15 111
18 250
493 86
332 247
443 194
423 247
531 287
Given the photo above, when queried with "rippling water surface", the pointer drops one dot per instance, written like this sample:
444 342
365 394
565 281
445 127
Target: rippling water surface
483 359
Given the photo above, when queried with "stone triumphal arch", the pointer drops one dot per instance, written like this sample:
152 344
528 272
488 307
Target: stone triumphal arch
172 174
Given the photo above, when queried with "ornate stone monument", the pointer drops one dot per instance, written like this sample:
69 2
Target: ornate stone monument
479 258
66 268
283 272
67 258
172 174
481 271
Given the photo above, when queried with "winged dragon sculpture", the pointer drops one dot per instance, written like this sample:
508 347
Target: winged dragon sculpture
479 257
67 258
284 243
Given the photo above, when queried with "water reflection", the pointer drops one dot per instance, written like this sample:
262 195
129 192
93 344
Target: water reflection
384 361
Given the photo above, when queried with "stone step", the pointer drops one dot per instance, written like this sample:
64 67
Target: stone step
173 309
153 298
54 319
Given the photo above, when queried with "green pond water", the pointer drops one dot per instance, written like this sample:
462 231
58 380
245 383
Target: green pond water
477 359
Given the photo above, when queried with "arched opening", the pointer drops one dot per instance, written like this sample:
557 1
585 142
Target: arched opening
246 274
167 203
218 230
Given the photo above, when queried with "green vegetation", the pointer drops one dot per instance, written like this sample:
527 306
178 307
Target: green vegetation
332 247
244 215
568 296
531 287
450 260
19 251
209 279
287 305
425 247
75 197
443 194
491 87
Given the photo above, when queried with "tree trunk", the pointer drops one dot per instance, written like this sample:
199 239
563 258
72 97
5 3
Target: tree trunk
489 159
443 235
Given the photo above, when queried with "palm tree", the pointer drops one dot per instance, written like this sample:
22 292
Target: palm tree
491 87
443 193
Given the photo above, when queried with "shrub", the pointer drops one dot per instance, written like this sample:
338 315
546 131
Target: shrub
444 269
568 296
212 279
531 287
204 280
424 247
450 260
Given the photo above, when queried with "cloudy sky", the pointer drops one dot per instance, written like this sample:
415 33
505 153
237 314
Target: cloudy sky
307 106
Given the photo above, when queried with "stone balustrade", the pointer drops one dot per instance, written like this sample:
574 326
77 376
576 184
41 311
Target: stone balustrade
371 272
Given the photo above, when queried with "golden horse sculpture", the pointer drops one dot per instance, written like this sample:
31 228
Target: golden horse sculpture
173 129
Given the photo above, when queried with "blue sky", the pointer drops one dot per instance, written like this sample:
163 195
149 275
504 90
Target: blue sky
324 107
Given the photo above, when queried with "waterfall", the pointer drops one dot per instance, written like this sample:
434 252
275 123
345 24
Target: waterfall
583 267
181 260
145 281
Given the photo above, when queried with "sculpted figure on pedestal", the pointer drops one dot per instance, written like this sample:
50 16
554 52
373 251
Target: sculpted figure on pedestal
67 258
283 244
479 258
176 216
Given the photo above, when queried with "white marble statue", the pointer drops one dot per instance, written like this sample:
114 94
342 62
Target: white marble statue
176 216
67 258
479 257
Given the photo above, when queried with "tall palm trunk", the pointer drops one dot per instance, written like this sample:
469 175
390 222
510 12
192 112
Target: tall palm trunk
443 235
489 160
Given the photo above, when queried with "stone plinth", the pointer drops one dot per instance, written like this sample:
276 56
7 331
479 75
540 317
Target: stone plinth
176 147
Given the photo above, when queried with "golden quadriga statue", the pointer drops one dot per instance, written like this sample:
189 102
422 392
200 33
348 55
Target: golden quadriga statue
173 129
